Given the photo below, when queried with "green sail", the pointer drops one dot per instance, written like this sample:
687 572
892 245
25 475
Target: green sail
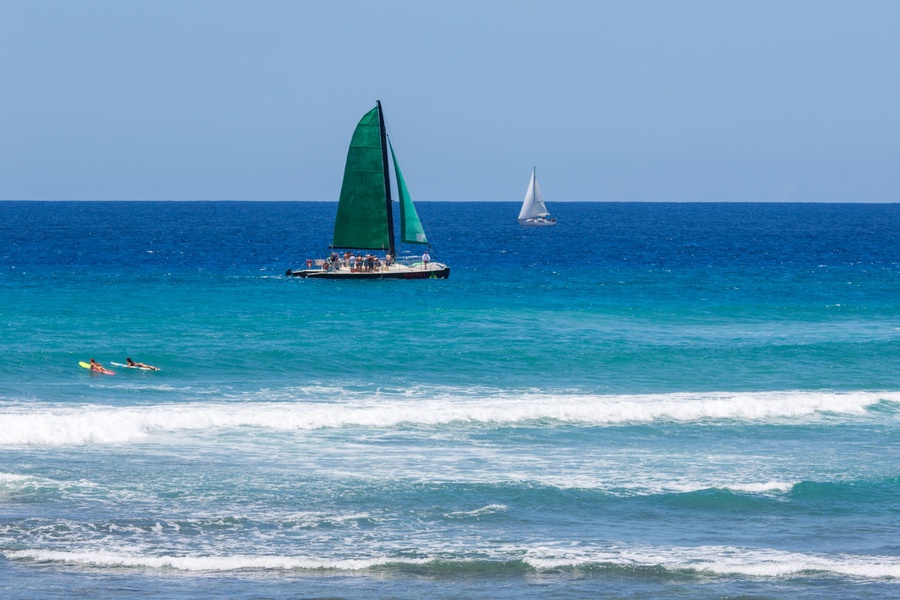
362 219
411 231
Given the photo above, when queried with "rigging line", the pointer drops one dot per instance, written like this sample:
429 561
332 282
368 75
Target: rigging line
425 227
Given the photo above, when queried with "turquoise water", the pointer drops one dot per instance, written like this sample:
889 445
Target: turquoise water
679 400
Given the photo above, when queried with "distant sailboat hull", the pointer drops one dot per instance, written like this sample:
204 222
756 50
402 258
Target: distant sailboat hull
538 222
434 271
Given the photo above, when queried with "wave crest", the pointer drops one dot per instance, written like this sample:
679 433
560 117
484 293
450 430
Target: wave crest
708 560
87 424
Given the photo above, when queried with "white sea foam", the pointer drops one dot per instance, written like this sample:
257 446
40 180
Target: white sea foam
625 483
313 519
105 558
769 487
86 424
484 510
12 478
21 487
718 560
10 483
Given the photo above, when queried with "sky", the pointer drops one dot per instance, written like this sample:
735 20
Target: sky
723 101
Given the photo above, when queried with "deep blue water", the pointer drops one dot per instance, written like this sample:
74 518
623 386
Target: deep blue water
647 400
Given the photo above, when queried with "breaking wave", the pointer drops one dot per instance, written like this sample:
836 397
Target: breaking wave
25 424
704 560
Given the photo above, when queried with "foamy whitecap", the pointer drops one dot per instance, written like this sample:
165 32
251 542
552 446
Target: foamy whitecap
13 484
103 424
10 483
7 478
313 519
484 510
769 487
104 558
718 560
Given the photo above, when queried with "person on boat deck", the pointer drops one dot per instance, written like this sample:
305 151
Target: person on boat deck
352 260
95 366
131 363
425 258
387 260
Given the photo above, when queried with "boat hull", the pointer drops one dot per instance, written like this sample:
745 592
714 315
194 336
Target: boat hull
537 222
438 271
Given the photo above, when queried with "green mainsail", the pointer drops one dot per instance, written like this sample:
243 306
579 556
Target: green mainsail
362 217
411 231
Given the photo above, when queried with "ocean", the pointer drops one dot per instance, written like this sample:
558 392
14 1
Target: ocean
677 400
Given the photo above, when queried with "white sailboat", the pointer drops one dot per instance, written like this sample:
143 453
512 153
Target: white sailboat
534 211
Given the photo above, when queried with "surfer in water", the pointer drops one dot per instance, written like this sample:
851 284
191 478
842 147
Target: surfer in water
141 365
95 366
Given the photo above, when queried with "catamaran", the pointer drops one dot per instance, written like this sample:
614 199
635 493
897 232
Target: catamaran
365 217
534 211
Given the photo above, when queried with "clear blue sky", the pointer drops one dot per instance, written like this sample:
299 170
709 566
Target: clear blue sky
613 101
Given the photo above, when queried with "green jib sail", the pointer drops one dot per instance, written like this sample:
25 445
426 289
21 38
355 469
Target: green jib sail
362 218
411 231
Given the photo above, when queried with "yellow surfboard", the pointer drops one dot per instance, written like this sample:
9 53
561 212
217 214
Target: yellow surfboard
88 367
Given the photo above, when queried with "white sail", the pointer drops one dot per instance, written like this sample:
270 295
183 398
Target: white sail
533 205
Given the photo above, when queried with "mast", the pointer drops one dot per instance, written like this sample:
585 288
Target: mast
387 181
